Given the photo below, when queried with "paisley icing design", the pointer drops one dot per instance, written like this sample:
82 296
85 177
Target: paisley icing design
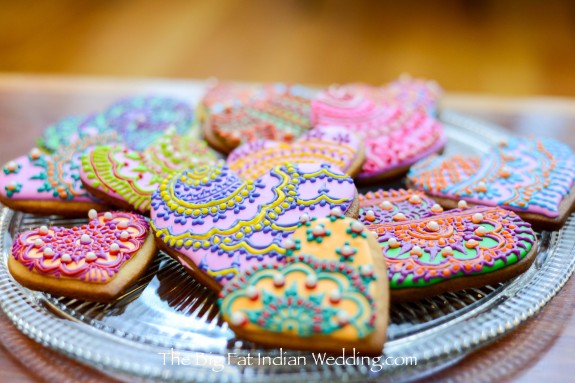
521 175
394 136
133 176
50 177
322 290
141 120
453 244
276 111
93 253
331 145
392 205
224 225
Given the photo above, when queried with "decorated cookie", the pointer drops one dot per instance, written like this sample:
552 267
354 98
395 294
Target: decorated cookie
394 137
384 206
233 114
454 250
330 145
95 261
217 224
532 177
127 178
140 121
44 183
70 129
331 294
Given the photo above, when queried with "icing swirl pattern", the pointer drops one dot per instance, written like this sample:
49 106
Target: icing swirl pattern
522 175
384 206
224 224
93 253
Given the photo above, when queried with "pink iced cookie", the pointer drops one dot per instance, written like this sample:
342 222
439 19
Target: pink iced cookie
218 225
394 137
330 145
50 183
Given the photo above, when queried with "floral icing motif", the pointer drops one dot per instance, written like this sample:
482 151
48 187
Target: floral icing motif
141 120
133 176
93 252
70 129
394 136
331 145
335 303
225 225
522 175
55 176
452 244
382 206
276 111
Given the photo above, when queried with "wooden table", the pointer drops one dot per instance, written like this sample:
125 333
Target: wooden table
540 349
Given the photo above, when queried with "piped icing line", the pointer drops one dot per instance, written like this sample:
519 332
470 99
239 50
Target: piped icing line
141 120
453 244
383 206
92 253
50 177
331 145
133 176
521 175
278 112
224 224
394 136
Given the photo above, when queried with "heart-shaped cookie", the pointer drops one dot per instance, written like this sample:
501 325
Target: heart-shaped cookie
331 145
127 178
331 295
394 137
96 261
140 121
217 224
454 250
532 177
233 114
50 183
384 206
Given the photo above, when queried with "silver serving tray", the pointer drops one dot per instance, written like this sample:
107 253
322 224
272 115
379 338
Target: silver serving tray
133 338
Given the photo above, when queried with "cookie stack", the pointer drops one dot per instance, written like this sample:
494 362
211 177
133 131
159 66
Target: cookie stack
266 211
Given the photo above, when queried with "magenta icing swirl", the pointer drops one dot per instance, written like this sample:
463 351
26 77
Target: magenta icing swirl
93 252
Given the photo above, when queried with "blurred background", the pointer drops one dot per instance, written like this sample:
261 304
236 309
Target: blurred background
498 47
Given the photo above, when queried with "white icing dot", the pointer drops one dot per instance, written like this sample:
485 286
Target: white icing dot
279 280
304 218
357 227
238 318
392 242
124 235
399 217
462 204
38 242
436 208
114 247
477 217
417 250
414 199
366 270
92 214
252 292
318 230
48 251
311 280
43 230
12 165
108 216
122 225
85 239
66 258
447 250
91 256
288 244
386 205
342 317
370 215
336 212
481 231
335 295
347 251
35 152
433 225
481 185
